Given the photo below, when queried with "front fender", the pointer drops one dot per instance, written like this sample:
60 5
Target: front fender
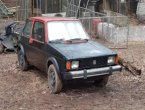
55 63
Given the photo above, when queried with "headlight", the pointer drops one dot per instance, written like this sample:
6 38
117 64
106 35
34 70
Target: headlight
72 65
111 60
75 65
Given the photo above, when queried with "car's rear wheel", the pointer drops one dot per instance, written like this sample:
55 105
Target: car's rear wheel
101 82
1 48
23 64
54 81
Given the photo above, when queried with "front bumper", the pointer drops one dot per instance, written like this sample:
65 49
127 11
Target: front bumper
92 72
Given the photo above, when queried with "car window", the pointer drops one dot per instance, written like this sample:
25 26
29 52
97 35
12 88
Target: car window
27 28
38 31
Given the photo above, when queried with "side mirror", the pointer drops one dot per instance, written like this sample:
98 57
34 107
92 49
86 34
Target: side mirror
31 40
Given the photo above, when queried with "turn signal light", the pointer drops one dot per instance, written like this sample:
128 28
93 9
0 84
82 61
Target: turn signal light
116 59
68 65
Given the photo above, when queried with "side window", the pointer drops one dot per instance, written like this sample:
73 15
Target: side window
27 28
38 31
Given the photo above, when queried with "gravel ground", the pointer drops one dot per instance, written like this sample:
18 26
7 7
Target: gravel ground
28 91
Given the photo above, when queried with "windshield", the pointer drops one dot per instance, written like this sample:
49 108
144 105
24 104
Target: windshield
66 30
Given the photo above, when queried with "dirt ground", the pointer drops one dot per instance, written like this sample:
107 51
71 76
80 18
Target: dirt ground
28 91
135 55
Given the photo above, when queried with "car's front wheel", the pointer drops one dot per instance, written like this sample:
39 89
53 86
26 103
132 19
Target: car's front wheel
23 64
54 81
1 47
101 82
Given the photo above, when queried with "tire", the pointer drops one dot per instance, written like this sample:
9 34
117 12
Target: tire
101 82
54 81
23 64
1 48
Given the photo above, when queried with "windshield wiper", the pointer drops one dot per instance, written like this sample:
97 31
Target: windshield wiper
79 39
70 40
56 41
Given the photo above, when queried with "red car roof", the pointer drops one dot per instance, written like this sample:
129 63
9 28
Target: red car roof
46 19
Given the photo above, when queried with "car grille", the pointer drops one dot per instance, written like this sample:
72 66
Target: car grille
93 62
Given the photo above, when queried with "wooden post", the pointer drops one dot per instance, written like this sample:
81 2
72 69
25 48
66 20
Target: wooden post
32 5
46 6
106 5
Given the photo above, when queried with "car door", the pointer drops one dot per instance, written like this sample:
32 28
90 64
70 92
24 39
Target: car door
38 45
26 33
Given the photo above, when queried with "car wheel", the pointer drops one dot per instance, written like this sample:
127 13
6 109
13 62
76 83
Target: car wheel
101 82
23 64
1 48
54 81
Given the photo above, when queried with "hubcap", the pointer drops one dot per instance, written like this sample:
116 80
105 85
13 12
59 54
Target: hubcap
51 79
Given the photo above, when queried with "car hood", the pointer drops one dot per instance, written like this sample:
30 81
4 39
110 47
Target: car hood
82 50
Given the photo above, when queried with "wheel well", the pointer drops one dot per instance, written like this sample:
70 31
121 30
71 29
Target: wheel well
49 63
54 62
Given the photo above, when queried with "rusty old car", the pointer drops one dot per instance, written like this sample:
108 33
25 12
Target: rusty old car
61 47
